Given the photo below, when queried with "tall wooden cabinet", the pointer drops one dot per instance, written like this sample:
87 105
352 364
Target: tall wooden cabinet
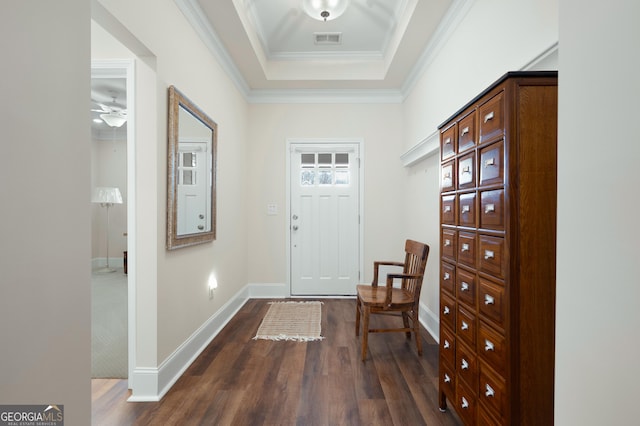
497 248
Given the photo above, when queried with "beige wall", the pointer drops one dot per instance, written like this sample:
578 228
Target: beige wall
181 276
598 289
379 127
45 216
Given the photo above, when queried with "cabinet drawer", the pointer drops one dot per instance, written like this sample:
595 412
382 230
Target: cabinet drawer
448 278
467 132
492 348
447 380
466 365
465 404
492 209
467 210
447 311
491 167
466 287
486 419
447 346
492 390
467 171
448 244
492 255
448 142
491 301
491 117
467 248
448 209
448 177
466 326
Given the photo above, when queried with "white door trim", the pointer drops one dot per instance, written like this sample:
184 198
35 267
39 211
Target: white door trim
324 141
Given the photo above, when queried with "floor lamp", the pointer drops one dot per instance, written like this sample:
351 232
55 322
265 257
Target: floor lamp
106 197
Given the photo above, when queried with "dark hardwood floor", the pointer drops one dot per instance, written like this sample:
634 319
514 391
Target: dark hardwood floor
240 381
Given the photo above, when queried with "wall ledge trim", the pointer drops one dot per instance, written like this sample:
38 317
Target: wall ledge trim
427 147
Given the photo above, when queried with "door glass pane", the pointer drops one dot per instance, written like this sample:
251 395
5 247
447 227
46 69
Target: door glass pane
324 160
325 177
342 159
342 177
308 160
307 177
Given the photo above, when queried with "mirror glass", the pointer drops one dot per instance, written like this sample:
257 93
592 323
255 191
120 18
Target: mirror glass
191 202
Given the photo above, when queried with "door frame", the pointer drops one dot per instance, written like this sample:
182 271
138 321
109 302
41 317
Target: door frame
125 68
320 142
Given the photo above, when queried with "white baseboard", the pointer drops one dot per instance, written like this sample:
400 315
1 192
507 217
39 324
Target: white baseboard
430 321
151 384
101 262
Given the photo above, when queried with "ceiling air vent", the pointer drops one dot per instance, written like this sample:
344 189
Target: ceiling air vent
327 38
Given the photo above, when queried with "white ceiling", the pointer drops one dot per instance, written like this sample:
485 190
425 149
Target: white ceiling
267 46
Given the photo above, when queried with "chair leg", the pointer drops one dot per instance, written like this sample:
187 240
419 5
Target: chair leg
357 316
365 332
405 321
416 330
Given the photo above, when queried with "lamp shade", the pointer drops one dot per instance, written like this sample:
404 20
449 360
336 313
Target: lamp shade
113 119
324 10
106 195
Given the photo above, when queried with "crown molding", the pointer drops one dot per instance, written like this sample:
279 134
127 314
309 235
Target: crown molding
324 96
196 17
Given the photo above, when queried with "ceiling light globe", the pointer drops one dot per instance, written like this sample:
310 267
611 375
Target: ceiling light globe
324 10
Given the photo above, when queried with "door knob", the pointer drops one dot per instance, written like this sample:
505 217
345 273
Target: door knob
295 227
295 217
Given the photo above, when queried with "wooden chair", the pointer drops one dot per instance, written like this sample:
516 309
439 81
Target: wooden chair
403 301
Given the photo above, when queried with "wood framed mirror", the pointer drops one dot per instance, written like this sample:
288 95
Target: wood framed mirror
191 174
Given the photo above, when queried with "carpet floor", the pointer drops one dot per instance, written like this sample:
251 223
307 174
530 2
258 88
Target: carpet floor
109 325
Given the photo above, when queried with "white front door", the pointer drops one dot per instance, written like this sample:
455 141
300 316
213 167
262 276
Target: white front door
324 221
193 184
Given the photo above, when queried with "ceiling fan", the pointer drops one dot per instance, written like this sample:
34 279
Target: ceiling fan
113 115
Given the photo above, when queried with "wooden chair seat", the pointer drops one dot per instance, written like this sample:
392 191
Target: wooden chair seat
403 301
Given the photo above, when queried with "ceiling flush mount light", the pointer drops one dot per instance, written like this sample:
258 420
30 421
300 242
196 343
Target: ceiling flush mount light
324 10
113 119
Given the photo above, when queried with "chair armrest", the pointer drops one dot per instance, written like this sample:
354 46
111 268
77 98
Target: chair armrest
376 265
390 278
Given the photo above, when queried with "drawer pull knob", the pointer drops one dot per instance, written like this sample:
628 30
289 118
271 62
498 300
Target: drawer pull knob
466 208
447 379
488 346
488 254
447 175
446 310
446 277
446 344
466 169
490 162
488 117
447 209
464 131
465 247
489 300
464 326
447 243
464 364
490 208
489 391
465 403
447 141
464 286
